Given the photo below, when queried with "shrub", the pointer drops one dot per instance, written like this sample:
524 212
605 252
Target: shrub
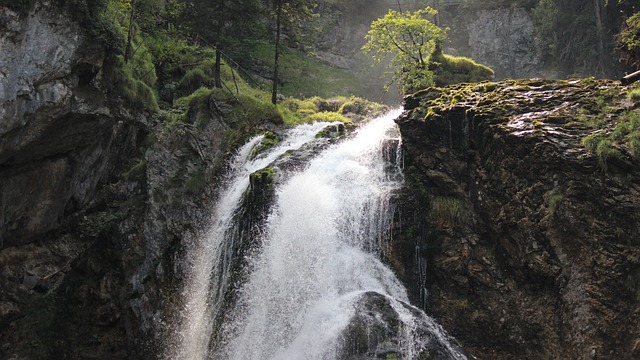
193 80
122 81
328 116
634 95
197 97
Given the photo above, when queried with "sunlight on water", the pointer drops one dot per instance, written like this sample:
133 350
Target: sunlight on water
317 262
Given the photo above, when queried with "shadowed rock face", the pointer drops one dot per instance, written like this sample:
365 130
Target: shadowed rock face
531 246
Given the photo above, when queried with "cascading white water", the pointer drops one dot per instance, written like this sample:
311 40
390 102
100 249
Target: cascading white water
319 257
316 263
210 257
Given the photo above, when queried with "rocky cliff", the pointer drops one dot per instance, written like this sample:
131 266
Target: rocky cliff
95 196
525 242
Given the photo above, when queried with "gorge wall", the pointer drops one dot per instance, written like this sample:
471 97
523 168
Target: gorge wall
527 245
96 195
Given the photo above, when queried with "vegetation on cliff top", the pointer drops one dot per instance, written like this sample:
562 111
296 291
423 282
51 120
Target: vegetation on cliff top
604 114
414 44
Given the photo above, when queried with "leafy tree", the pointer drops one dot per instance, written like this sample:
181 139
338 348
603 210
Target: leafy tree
629 41
409 39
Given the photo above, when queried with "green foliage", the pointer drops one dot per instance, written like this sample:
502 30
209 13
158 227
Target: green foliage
305 76
329 116
122 81
409 39
449 69
95 16
193 80
634 95
447 211
629 41
569 35
553 200
196 98
607 144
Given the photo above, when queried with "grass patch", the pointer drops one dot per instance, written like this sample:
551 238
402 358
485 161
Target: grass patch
447 211
329 116
304 76
608 143
634 95
449 69
552 202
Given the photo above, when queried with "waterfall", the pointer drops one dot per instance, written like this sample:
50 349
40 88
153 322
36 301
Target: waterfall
211 256
315 286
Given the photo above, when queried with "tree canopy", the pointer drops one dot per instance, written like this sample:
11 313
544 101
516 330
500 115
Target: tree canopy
408 39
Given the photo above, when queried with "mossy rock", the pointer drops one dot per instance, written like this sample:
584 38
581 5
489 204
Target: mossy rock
332 131
269 140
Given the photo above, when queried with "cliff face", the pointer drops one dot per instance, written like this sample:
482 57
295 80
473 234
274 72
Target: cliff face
52 114
95 198
527 244
503 39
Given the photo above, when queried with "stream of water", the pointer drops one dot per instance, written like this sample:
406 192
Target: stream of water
316 287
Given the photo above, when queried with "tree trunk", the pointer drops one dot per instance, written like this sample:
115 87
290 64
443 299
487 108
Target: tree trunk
274 93
631 78
217 81
127 50
599 8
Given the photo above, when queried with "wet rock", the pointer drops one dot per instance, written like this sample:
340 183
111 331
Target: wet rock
543 265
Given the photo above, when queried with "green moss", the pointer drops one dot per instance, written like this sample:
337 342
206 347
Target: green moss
197 98
134 91
552 202
267 174
607 144
634 95
447 211
449 69
332 131
269 140
328 116
136 170
606 151
193 80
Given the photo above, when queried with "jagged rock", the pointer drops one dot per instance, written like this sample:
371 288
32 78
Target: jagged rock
541 259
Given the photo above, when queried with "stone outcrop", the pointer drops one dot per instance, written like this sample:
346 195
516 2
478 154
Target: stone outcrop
503 39
55 125
96 199
527 244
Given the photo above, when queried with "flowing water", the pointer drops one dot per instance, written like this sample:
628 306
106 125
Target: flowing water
316 288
